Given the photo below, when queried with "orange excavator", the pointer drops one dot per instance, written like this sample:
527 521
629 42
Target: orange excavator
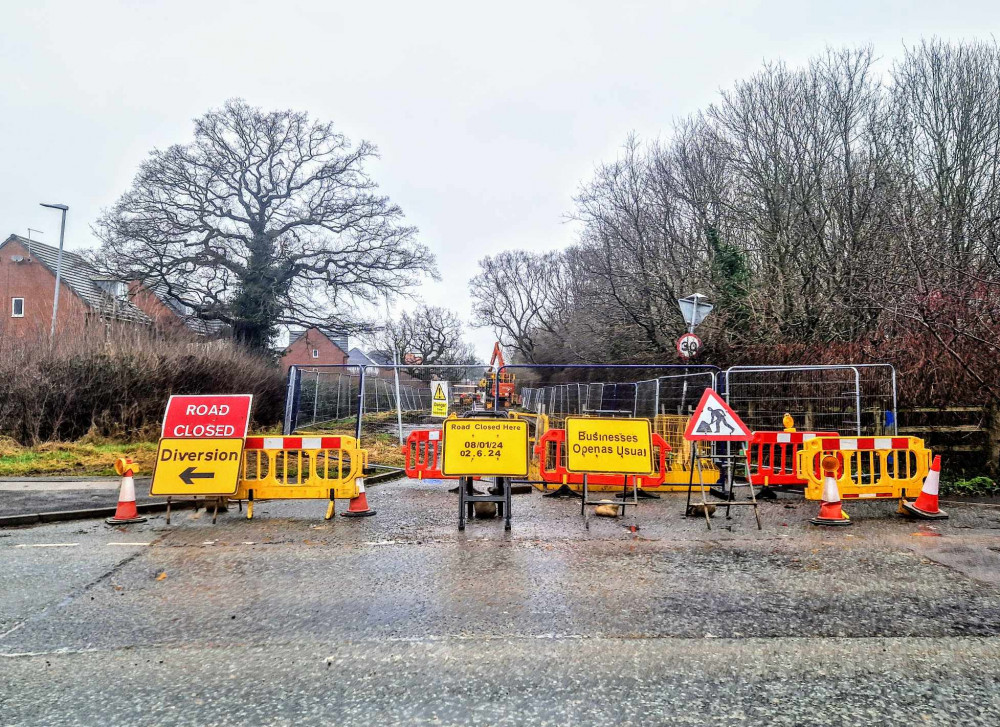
499 381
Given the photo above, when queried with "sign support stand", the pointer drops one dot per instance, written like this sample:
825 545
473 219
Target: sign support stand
467 500
562 491
584 501
731 485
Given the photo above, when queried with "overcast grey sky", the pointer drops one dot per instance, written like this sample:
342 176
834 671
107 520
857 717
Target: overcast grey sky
487 116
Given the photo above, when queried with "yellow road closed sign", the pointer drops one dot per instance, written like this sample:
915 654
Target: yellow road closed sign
197 467
609 446
485 448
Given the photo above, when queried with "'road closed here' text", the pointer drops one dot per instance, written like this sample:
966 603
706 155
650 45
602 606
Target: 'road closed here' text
485 447
609 446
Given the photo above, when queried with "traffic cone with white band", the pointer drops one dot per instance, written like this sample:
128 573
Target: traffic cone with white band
126 511
359 505
830 510
925 506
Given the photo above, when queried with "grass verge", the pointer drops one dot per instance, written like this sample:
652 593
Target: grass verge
72 459
97 459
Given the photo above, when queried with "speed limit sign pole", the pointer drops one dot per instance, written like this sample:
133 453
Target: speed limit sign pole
694 309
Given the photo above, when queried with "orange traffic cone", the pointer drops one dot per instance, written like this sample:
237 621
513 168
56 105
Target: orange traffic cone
925 506
830 511
126 511
359 505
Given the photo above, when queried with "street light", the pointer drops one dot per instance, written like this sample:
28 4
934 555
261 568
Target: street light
62 235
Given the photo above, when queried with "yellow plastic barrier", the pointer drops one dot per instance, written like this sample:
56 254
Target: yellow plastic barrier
538 424
869 467
671 427
294 468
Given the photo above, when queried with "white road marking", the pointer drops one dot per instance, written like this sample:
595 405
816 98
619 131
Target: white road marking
47 545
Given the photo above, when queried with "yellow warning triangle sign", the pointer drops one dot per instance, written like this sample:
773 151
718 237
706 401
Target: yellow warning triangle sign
439 394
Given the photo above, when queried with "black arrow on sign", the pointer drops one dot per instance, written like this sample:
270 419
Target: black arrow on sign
189 475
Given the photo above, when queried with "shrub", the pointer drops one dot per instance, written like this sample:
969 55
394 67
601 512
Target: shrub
972 486
116 384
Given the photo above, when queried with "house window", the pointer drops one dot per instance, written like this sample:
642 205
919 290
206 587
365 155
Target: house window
17 307
315 353
115 288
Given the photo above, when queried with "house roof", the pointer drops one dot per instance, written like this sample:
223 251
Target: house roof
198 325
359 358
381 358
82 279
337 338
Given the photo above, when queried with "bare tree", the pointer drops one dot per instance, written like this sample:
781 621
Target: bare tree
521 296
429 335
266 218
822 208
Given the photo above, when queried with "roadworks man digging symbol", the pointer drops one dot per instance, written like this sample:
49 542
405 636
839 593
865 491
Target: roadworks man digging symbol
714 421
718 420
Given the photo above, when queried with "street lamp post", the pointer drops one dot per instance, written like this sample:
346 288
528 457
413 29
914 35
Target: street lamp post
62 235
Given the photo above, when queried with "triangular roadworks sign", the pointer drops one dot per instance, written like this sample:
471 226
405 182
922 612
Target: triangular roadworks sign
714 421
439 394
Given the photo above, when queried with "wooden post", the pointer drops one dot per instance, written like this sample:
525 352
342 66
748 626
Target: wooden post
992 446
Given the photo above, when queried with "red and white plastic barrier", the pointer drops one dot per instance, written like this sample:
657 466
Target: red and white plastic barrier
423 454
292 443
771 457
552 464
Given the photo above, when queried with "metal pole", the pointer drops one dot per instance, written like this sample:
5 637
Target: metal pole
361 404
399 409
895 415
340 379
288 426
857 397
59 257
315 396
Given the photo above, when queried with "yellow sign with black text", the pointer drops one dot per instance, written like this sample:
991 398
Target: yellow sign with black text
485 448
439 400
196 467
609 446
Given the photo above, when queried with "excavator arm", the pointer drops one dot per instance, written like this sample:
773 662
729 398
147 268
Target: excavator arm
497 360
497 382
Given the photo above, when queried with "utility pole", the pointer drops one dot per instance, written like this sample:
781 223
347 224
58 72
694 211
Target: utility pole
62 235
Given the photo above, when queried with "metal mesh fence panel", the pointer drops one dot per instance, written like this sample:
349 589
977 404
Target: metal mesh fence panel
381 405
850 399
328 398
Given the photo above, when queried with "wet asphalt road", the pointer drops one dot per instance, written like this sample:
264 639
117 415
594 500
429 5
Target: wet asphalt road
288 619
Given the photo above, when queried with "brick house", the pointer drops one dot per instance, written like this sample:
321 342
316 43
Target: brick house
314 346
86 298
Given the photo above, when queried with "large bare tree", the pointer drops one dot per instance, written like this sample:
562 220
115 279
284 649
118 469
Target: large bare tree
266 218
428 335
520 295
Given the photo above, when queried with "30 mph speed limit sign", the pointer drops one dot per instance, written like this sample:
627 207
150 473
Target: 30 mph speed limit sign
688 345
